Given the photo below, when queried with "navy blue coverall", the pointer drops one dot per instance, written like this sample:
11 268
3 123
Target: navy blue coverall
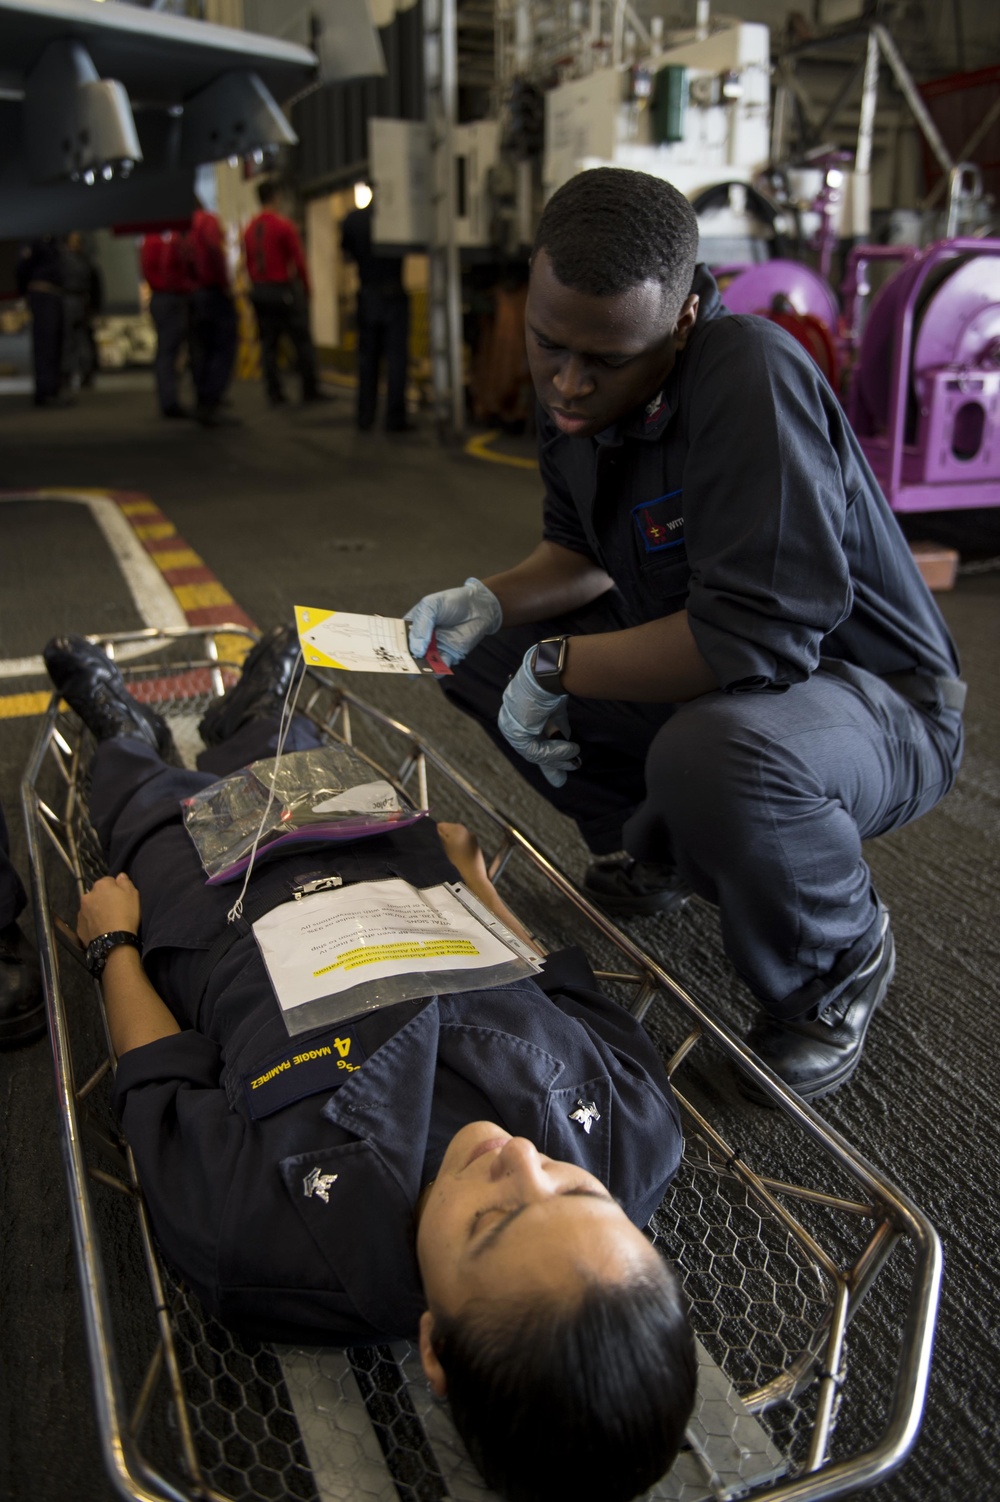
283 1188
383 322
12 898
40 276
740 494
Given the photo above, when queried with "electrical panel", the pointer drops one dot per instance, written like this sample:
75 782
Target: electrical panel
399 162
706 118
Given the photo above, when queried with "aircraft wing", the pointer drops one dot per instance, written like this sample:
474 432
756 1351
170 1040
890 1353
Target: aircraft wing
160 59
106 110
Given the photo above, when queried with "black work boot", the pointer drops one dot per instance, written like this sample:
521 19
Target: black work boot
817 1057
92 685
22 1009
261 691
631 888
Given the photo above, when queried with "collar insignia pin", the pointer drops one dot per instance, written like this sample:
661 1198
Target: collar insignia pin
585 1114
319 1184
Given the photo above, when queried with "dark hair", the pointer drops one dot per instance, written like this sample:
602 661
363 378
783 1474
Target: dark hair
267 192
609 229
559 1402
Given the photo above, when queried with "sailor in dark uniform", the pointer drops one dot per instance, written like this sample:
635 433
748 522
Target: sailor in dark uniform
723 619
476 1177
383 314
40 277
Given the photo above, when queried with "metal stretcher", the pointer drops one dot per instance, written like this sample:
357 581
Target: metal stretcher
776 1261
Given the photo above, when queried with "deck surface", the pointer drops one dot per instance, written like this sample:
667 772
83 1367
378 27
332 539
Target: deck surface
296 507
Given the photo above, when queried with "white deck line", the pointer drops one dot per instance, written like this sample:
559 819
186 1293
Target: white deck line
151 594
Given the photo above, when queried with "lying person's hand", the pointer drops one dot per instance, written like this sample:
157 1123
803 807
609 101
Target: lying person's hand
461 617
532 720
111 905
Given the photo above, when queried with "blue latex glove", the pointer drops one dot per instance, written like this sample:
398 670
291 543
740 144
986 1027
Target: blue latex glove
526 719
461 618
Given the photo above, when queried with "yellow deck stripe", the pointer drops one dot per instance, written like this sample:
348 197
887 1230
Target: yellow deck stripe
197 596
139 508
154 531
178 558
231 648
16 706
478 448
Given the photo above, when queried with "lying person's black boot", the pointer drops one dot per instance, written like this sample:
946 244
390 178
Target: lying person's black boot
22 1010
92 685
630 888
817 1057
261 690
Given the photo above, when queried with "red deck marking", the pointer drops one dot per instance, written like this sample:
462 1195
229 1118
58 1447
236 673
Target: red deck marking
151 517
158 535
162 544
200 575
193 685
219 615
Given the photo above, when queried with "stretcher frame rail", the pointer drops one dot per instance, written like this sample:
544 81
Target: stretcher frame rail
889 1217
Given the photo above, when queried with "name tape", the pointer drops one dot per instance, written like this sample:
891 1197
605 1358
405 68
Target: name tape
322 1065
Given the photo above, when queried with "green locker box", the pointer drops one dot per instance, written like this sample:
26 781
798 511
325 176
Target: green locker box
669 104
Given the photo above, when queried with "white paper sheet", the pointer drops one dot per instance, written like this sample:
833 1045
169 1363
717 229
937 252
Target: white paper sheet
356 643
372 797
329 943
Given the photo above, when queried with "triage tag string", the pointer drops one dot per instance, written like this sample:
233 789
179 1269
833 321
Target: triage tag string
295 682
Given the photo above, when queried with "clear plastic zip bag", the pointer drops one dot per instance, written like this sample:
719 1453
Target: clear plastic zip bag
329 793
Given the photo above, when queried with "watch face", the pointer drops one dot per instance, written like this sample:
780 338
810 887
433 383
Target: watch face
97 954
547 655
548 662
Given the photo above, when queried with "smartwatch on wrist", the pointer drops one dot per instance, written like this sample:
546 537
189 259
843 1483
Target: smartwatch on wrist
548 661
98 949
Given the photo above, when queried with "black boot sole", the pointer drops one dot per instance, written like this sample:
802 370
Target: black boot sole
261 690
638 907
831 1082
18 1032
78 674
749 1091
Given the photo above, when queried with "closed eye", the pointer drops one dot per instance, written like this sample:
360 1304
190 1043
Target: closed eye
484 1214
509 1214
608 362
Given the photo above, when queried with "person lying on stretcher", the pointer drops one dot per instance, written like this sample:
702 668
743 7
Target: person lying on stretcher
477 1180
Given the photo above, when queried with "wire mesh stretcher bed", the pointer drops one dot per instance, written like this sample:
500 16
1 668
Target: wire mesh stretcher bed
776 1261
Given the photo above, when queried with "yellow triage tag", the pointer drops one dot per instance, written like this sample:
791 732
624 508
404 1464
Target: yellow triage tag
354 643
334 954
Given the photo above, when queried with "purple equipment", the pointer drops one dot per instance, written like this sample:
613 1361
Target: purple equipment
792 295
925 395
747 289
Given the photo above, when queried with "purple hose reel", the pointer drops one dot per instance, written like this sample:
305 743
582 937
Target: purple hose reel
792 295
925 395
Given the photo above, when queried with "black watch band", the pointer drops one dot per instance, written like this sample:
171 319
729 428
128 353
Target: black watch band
98 949
548 661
